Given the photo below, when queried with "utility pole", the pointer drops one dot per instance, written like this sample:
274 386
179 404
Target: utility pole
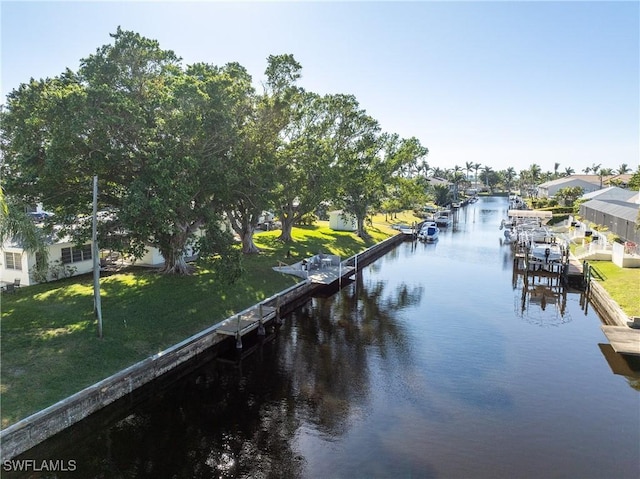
97 306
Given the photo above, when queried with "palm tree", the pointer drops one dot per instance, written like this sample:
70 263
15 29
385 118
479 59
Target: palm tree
468 166
623 169
438 172
442 194
524 178
556 165
486 170
586 170
457 177
533 178
602 172
547 176
509 175
16 225
568 171
476 167
535 171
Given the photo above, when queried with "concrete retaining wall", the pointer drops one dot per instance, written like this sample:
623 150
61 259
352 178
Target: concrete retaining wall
38 427
607 308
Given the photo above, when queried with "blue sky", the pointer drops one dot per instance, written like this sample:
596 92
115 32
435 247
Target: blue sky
497 83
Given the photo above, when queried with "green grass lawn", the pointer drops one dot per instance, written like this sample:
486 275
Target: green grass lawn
49 344
622 284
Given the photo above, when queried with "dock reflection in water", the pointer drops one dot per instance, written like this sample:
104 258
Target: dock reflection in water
431 364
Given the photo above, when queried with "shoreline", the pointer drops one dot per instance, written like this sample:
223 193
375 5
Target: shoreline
36 428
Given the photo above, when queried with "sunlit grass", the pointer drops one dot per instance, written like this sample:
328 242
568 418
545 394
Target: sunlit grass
622 284
50 347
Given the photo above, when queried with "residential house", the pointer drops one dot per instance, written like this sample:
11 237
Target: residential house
589 183
65 258
619 217
610 193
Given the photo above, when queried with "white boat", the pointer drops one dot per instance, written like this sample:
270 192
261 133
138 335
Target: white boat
516 203
429 232
443 218
547 253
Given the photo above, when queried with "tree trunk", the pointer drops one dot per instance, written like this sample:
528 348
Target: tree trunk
290 214
172 247
362 232
248 246
176 265
173 254
287 227
244 225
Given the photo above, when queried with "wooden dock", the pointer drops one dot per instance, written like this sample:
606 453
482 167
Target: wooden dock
330 274
623 339
319 269
246 322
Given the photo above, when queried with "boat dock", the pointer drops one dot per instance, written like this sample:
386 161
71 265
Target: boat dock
623 339
246 322
319 269
569 270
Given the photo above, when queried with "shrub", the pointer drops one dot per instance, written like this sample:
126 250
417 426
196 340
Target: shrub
308 220
555 219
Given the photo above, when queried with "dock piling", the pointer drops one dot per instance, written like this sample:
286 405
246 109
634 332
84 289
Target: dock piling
238 335
261 331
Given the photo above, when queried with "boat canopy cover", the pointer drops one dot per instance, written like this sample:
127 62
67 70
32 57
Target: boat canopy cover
529 214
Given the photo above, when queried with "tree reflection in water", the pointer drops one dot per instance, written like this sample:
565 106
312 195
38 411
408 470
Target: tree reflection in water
330 345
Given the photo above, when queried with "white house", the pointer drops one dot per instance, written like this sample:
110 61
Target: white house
610 193
588 183
68 259
340 220
65 257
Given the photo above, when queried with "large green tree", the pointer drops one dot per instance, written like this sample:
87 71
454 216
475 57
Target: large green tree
369 163
311 145
256 164
157 136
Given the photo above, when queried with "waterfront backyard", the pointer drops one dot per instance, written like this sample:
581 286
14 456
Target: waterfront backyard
49 344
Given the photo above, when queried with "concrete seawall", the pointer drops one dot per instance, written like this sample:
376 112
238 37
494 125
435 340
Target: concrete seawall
38 427
607 308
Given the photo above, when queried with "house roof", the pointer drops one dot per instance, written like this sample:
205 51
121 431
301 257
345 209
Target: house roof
623 178
434 180
610 193
620 209
592 179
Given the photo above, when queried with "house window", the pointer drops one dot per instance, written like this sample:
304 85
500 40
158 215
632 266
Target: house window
13 260
75 254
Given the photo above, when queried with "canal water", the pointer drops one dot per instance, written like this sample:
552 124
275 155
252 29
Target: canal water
434 363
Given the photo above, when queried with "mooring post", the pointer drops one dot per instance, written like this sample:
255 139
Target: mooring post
261 331
278 320
238 335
